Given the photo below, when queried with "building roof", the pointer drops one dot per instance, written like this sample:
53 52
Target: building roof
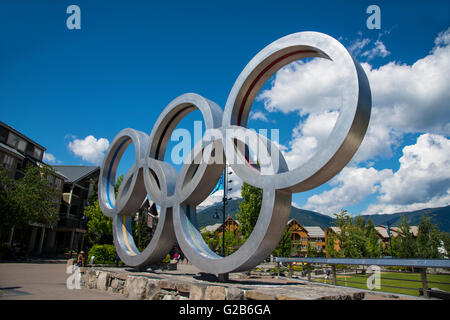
315 232
336 230
382 232
212 227
75 173
22 135
217 226
11 150
395 231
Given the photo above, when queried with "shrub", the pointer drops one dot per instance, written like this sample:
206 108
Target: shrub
104 254
166 259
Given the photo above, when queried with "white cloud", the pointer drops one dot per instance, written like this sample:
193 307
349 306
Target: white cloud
358 45
49 158
309 87
423 179
378 51
308 137
405 98
89 149
258 115
443 38
352 185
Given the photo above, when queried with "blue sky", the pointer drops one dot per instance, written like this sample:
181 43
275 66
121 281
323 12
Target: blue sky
131 58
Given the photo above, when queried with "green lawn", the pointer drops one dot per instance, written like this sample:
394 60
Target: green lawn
386 282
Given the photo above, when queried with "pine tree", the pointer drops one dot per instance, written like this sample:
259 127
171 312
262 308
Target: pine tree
249 209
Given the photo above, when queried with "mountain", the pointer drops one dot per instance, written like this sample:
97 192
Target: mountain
440 216
205 217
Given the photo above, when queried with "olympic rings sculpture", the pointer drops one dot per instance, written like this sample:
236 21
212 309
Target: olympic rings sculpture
177 195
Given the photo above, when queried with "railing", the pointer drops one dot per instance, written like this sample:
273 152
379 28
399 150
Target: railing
347 270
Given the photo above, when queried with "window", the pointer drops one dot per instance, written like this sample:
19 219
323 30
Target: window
16 142
37 153
3 134
50 178
8 161
58 183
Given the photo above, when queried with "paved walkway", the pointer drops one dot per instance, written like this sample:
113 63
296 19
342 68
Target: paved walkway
46 281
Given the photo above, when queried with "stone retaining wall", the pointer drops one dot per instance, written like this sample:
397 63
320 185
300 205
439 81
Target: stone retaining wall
152 288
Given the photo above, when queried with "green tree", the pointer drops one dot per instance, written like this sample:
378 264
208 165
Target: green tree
331 251
284 247
312 250
212 240
36 197
233 241
373 244
445 237
10 213
428 239
353 235
99 226
404 245
141 232
249 209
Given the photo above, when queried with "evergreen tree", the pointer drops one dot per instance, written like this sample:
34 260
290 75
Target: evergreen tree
284 248
99 226
405 245
331 251
428 239
249 209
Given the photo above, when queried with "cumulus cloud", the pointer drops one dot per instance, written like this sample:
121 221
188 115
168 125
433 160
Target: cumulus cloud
315 86
405 99
379 50
49 158
258 115
89 149
351 186
423 179
308 137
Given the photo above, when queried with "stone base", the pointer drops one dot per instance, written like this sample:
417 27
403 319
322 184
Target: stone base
197 286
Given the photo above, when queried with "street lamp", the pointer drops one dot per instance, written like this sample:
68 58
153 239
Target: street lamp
225 200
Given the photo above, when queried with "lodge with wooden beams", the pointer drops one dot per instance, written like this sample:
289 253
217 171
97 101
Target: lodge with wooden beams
300 235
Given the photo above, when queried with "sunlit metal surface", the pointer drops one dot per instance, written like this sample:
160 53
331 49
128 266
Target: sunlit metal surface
226 137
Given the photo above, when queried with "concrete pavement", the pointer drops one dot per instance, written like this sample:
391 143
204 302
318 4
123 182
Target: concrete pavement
46 281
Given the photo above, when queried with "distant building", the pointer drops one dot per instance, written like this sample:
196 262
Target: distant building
230 225
71 228
299 236
17 151
316 237
383 233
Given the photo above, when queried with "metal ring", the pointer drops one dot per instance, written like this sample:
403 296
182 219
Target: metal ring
178 195
350 126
